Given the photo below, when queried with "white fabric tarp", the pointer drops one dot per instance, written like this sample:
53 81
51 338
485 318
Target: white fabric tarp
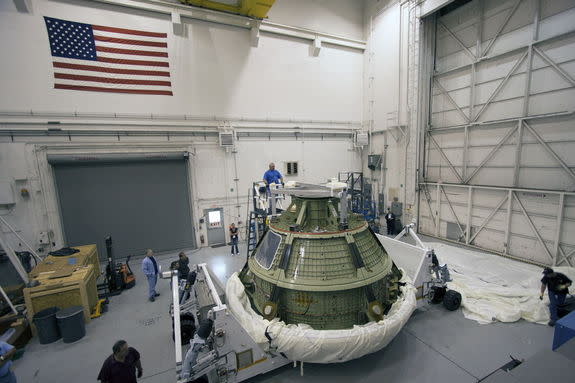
495 288
303 343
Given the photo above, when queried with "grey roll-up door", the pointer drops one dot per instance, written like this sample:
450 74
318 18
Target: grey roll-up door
140 203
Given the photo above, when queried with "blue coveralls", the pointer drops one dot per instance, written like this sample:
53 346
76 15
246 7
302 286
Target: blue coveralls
6 375
151 272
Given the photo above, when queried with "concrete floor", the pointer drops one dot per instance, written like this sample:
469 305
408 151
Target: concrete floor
435 346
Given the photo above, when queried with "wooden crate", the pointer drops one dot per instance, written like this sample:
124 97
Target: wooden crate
76 289
88 255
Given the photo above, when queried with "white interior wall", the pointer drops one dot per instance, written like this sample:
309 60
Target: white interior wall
215 72
385 95
340 17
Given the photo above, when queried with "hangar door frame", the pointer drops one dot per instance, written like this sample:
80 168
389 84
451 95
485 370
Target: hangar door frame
122 159
498 155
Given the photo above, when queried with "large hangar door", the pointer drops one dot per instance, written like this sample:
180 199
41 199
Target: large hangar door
500 149
142 202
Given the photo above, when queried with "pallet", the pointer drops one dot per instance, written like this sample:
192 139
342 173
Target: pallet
88 255
58 290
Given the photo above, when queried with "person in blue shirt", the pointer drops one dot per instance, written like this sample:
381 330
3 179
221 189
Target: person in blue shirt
150 269
7 351
272 176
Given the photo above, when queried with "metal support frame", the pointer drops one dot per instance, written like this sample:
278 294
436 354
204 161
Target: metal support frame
566 257
557 252
478 37
255 35
13 258
528 75
5 297
487 124
469 205
509 15
553 64
445 157
453 212
469 53
427 199
177 325
501 86
164 7
506 53
438 210
560 256
451 100
509 216
22 240
550 150
558 228
488 218
491 154
465 158
518 148
533 228
213 291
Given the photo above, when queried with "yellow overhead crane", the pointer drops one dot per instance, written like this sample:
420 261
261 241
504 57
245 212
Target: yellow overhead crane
251 8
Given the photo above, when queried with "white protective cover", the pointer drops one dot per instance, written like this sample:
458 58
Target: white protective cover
303 343
494 288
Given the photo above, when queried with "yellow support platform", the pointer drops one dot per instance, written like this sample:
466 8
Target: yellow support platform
251 8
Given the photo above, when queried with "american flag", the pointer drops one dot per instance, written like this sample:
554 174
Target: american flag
105 59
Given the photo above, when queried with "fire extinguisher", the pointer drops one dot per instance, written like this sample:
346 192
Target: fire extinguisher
202 239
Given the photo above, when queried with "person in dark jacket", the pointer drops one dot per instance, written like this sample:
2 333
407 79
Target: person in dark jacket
121 366
390 220
234 238
557 285
183 268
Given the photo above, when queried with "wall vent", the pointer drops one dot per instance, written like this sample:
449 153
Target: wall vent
291 168
361 139
227 139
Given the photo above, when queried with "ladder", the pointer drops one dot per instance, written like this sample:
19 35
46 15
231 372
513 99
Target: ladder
256 229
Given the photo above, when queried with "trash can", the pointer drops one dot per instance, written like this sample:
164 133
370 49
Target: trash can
71 323
46 325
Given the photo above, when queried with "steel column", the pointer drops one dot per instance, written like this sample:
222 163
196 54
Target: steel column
468 223
528 73
518 153
510 195
438 209
558 228
465 155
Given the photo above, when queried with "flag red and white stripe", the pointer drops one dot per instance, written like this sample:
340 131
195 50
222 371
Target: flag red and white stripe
107 59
